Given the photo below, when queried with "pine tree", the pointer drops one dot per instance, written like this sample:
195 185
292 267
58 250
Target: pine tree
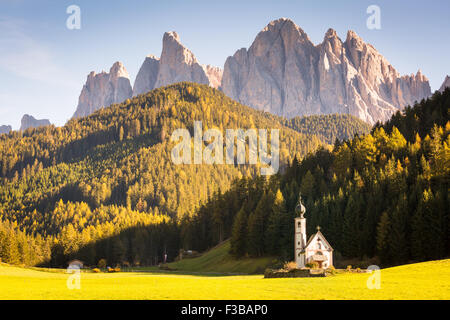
256 227
398 242
239 233
11 249
351 239
308 184
274 237
383 231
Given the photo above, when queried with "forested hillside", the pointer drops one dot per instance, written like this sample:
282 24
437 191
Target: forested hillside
64 189
330 127
384 195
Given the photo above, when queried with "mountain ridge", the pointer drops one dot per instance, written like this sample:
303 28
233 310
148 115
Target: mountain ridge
104 89
31 122
284 73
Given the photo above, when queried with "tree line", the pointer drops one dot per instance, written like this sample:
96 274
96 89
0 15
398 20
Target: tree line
65 188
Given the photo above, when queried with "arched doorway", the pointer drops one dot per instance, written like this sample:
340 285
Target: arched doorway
319 258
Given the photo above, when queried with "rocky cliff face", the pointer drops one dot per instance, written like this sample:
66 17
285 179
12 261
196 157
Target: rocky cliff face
147 75
445 84
5 129
214 75
30 122
284 73
177 63
104 89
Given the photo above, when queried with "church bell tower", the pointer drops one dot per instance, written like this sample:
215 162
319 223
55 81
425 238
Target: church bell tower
300 234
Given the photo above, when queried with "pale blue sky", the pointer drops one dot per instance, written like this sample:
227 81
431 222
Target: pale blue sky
43 65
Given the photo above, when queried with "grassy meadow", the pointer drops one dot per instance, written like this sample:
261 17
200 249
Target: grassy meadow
219 260
428 280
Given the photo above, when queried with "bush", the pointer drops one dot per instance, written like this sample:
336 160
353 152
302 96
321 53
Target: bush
290 266
312 265
101 264
331 270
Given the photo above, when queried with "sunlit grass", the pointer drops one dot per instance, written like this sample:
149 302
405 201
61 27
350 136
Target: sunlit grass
219 260
429 280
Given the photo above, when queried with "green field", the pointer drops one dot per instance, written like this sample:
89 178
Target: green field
219 260
428 280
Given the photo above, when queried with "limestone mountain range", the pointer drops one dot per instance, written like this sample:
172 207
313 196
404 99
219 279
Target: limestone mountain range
445 84
30 122
5 129
104 89
282 72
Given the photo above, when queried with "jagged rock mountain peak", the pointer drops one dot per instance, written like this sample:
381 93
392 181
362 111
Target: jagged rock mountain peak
281 72
420 76
147 75
31 122
104 89
331 33
353 36
176 64
285 25
445 84
118 70
331 44
214 75
284 73
5 129
171 35
174 51
282 32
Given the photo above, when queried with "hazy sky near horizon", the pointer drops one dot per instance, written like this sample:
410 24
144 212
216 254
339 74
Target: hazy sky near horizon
43 64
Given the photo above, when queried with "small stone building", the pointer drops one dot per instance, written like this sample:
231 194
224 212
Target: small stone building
316 249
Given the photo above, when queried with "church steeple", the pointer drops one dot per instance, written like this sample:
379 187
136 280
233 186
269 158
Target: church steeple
300 233
317 249
300 208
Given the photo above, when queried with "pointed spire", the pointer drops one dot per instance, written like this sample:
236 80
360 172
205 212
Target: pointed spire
331 33
300 208
171 35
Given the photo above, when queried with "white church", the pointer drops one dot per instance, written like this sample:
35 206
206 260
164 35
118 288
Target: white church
316 249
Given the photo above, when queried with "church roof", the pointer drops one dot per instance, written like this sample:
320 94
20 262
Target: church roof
320 235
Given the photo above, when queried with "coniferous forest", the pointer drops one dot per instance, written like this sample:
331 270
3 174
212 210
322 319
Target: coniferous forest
104 186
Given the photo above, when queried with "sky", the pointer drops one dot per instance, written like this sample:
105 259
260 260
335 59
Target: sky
43 64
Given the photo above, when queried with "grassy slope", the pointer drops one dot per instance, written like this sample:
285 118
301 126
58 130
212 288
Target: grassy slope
219 260
428 280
